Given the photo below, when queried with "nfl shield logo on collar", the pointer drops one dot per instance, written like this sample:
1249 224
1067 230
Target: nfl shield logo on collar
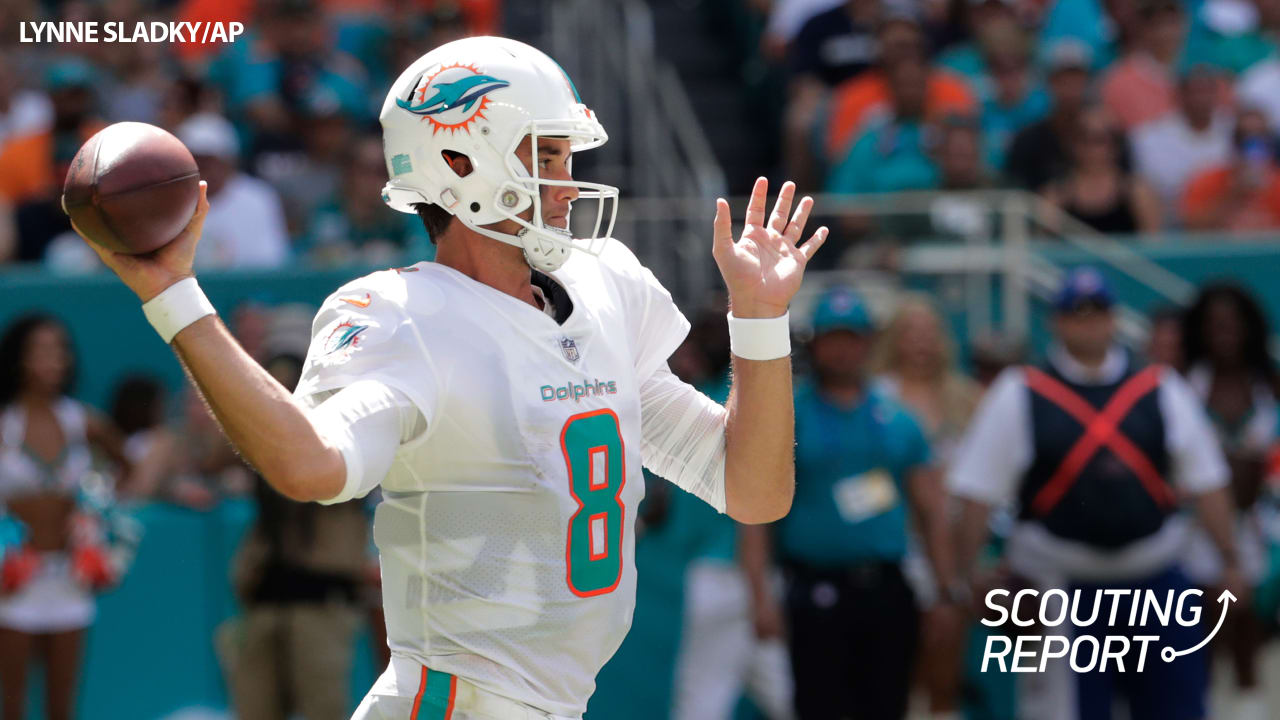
569 348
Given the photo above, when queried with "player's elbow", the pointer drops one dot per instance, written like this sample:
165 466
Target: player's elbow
309 479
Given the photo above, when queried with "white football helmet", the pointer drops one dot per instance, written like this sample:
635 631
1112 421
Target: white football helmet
481 97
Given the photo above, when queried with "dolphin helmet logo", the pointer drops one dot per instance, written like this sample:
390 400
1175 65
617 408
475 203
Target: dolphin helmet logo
451 98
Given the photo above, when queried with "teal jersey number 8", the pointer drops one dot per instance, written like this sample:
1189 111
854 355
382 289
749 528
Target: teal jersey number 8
596 464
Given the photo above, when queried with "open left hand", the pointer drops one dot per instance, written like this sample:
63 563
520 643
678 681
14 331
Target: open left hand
764 268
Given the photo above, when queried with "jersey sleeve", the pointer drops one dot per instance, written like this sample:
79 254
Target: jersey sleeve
363 333
656 325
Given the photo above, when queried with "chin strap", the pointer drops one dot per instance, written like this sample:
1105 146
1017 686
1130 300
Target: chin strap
541 253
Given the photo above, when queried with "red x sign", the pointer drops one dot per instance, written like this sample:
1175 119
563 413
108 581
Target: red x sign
1100 429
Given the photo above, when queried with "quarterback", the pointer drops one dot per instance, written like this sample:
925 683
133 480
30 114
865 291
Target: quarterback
505 396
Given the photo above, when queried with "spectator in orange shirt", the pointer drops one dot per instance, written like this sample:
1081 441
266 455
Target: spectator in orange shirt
859 101
1245 193
32 166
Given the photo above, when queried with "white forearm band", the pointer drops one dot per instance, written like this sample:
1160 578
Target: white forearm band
181 304
760 338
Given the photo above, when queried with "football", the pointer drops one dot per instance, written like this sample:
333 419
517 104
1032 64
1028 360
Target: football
131 188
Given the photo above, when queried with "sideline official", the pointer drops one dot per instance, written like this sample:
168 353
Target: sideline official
1098 450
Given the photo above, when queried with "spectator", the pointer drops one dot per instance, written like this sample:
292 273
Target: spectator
185 96
786 18
1259 87
834 45
1011 94
861 102
356 226
22 111
959 155
1139 87
139 73
960 168
1233 374
1169 151
46 464
1102 519
862 463
1096 189
298 575
831 47
267 78
137 408
310 175
1165 343
1243 194
914 362
245 226
1041 152
989 23
893 154
33 166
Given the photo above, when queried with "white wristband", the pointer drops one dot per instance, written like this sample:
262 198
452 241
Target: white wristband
760 338
181 304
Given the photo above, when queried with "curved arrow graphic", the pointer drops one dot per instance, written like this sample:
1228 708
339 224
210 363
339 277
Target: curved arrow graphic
1168 654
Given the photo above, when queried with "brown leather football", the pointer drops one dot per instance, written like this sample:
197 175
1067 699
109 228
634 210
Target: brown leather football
132 188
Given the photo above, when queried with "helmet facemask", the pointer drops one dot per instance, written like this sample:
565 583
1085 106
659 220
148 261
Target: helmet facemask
547 247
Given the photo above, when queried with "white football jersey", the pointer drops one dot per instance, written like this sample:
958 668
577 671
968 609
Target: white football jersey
506 530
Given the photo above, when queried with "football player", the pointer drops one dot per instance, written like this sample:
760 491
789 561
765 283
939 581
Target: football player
505 396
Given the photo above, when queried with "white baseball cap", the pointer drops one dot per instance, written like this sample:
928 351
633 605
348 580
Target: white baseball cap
209 134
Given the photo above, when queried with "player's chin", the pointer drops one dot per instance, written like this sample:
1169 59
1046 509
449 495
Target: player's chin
557 221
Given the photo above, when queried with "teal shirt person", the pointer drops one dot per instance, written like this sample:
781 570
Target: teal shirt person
889 157
852 466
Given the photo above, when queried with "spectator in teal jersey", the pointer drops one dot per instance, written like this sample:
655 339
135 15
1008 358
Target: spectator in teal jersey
862 462
987 21
1012 94
267 77
355 226
893 154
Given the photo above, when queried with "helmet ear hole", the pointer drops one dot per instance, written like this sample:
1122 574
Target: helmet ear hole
460 164
475 207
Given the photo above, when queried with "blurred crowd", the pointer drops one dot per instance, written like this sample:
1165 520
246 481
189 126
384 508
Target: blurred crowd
282 123
1132 116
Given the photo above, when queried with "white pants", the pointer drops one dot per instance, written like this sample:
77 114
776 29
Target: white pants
720 654
401 687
